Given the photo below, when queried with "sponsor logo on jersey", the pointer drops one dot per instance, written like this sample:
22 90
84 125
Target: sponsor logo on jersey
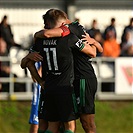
79 43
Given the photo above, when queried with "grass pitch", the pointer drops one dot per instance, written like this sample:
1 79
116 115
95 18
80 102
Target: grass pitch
111 117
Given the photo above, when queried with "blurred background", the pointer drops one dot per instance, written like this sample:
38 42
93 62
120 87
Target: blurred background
109 22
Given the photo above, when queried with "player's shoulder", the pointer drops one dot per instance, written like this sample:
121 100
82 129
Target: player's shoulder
39 40
73 38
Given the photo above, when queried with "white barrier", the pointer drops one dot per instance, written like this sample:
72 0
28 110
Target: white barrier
105 74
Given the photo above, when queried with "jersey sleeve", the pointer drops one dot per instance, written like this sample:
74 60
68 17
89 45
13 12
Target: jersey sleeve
75 42
77 29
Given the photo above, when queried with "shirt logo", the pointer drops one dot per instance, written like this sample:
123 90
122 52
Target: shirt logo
79 43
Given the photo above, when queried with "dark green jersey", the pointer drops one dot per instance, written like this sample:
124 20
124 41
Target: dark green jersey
58 60
82 62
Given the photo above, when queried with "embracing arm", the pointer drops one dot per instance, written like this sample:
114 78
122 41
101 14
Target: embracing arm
24 62
92 41
31 56
90 50
56 32
90 46
34 73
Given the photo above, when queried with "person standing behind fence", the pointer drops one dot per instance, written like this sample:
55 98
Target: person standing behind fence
128 28
111 49
4 65
93 30
6 32
127 45
95 33
110 45
112 28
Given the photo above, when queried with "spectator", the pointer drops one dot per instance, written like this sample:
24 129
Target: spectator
95 33
129 51
112 28
111 49
128 28
5 69
111 46
6 33
3 47
94 30
126 46
4 66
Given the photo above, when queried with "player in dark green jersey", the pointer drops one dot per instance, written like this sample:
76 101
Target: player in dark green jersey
84 73
85 83
58 63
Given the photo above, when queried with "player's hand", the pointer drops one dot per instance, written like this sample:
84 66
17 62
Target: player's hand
35 56
87 39
91 41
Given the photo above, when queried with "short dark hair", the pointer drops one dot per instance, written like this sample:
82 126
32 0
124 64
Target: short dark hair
5 17
131 20
51 17
112 19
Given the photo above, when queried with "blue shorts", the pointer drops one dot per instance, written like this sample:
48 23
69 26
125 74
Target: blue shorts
34 105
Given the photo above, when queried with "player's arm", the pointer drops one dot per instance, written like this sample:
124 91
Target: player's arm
62 31
76 29
30 56
39 70
80 32
48 33
86 47
55 32
90 50
34 73
88 40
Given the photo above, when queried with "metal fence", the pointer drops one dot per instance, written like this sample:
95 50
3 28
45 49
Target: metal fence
105 75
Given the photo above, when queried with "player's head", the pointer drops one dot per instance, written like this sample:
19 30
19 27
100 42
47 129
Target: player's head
54 18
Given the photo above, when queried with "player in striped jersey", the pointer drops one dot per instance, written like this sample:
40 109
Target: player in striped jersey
33 120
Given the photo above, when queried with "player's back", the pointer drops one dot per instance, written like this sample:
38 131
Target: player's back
58 62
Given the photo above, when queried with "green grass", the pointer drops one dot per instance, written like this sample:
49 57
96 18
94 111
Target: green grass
114 117
111 117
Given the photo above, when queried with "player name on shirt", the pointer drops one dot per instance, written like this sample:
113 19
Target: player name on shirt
50 42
